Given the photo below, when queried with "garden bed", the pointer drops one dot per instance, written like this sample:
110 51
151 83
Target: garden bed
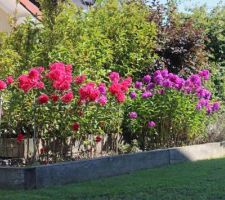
76 171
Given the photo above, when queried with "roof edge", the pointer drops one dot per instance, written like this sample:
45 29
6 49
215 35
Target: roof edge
33 9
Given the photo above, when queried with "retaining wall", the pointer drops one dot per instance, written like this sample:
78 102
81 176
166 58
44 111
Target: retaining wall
76 171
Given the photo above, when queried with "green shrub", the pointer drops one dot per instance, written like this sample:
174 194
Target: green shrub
111 36
9 59
167 110
212 22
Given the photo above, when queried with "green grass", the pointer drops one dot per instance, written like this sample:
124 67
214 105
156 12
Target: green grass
203 180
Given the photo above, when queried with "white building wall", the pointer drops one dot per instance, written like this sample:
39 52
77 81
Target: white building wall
4 21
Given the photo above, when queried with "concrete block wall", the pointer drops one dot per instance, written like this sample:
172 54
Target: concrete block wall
76 171
12 178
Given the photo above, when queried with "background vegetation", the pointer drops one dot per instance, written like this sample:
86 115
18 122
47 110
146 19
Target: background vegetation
131 38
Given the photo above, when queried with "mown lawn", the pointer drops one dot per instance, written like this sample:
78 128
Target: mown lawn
203 180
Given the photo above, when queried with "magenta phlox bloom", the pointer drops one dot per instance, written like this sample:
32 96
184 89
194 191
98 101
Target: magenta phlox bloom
138 85
151 124
150 86
147 79
146 95
133 115
133 95
204 74
215 106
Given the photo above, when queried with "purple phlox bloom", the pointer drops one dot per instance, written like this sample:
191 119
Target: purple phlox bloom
179 81
215 106
202 103
102 88
180 84
158 79
132 115
203 93
151 124
164 73
198 107
150 86
138 85
133 95
187 83
173 78
147 79
195 79
188 87
167 83
146 94
188 90
157 73
209 109
204 74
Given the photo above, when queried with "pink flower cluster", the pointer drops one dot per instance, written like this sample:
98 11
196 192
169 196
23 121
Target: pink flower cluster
80 79
119 87
61 76
90 92
32 80
3 84
43 98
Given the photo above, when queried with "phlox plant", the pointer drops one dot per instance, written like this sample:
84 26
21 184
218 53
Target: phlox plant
166 110
60 104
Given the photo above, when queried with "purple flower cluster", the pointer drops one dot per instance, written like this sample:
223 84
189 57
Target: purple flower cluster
138 84
146 94
163 80
102 88
147 79
133 95
132 115
204 74
151 124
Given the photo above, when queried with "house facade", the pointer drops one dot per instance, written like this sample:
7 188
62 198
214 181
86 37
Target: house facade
20 9
17 9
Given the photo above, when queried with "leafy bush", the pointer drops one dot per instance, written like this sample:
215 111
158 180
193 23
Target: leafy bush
166 110
111 36
212 22
9 59
180 45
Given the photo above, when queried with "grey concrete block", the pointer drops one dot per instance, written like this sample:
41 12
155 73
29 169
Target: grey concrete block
197 152
11 178
30 178
77 171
